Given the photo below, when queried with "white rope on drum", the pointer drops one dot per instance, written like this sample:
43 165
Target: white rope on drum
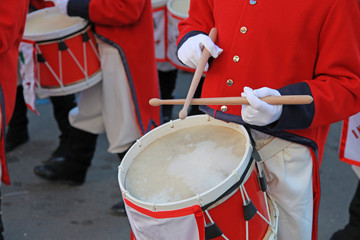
211 220
94 49
245 201
85 61
47 65
60 70
76 61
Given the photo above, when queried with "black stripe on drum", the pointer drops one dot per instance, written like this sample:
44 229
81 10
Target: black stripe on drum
230 190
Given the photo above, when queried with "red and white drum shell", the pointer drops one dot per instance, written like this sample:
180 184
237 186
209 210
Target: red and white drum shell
177 10
176 219
160 29
66 57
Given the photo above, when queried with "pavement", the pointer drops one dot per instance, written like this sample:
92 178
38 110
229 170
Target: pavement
34 209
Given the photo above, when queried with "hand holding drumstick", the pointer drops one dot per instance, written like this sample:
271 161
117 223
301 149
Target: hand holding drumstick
261 107
200 65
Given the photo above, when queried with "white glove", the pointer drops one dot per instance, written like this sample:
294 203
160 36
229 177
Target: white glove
61 5
260 113
190 52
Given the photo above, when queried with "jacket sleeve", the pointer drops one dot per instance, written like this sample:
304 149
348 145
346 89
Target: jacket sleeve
107 12
200 20
11 22
335 87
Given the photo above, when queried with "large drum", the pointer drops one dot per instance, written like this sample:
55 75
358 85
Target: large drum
192 178
177 10
65 55
160 29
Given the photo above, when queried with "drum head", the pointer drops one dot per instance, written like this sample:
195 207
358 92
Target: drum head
49 23
185 161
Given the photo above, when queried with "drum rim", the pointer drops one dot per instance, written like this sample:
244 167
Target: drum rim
54 35
82 84
204 198
174 13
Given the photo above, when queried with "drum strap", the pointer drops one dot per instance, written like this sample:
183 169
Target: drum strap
231 189
273 147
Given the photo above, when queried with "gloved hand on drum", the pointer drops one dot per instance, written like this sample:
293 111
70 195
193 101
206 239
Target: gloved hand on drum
260 113
61 5
190 52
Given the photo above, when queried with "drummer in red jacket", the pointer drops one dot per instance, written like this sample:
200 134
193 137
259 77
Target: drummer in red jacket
118 105
281 48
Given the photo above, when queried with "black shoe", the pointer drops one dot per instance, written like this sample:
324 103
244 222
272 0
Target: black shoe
61 172
118 209
58 155
54 160
13 142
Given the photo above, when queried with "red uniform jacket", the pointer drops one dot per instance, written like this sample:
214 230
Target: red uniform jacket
298 47
12 21
128 26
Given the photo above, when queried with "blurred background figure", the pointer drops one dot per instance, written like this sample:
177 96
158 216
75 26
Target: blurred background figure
166 16
117 105
12 21
17 132
349 152
352 229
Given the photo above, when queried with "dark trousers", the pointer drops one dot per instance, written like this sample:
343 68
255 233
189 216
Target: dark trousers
61 107
18 125
354 222
19 121
167 81
82 146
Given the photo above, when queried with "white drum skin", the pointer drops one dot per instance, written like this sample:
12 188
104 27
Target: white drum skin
174 126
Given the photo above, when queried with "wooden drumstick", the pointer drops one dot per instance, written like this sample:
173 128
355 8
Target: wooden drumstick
273 100
197 76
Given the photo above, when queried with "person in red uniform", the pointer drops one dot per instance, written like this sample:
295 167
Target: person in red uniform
12 22
281 48
118 105
17 131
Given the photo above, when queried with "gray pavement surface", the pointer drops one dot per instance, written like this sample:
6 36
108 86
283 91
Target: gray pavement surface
38 210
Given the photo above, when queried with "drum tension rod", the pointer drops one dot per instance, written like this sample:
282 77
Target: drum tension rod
85 37
40 58
62 45
262 182
261 177
249 210
212 231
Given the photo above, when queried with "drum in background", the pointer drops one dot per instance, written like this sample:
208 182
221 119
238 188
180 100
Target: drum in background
160 29
66 59
177 10
187 172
